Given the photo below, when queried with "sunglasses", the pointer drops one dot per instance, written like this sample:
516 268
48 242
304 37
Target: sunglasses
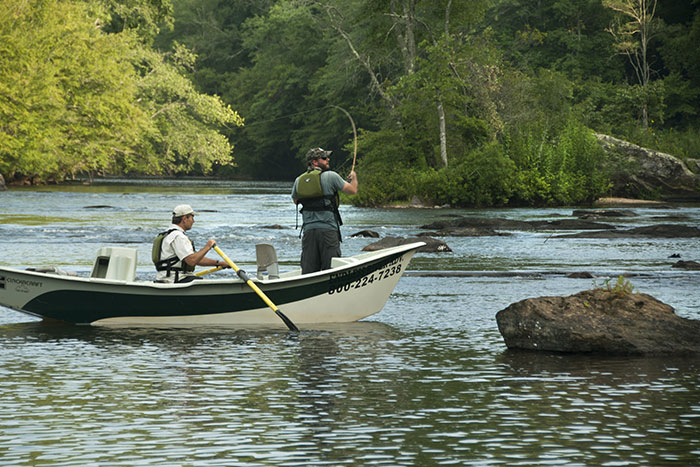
325 158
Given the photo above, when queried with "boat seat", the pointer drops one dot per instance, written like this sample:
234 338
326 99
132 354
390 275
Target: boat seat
115 263
266 259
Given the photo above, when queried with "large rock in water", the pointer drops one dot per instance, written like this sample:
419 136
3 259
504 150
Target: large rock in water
432 245
651 231
639 172
598 320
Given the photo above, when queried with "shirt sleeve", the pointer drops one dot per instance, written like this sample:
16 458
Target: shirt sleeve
332 182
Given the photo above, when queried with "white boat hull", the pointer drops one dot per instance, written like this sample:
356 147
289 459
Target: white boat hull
349 292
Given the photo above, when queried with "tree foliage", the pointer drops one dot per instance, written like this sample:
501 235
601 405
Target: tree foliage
467 102
75 99
186 139
67 103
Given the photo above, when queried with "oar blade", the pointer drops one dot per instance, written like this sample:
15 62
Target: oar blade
287 321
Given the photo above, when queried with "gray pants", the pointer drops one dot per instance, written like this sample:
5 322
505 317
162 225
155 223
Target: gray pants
318 246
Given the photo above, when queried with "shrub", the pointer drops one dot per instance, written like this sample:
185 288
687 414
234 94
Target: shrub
556 170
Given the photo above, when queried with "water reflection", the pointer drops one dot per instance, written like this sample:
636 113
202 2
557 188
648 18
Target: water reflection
608 404
363 393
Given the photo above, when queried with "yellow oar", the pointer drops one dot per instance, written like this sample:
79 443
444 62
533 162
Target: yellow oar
244 277
208 271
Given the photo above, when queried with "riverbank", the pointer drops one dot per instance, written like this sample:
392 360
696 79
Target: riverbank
417 203
626 202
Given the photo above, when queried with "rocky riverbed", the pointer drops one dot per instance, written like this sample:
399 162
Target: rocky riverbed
598 223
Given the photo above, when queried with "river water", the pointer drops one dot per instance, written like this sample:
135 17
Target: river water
427 381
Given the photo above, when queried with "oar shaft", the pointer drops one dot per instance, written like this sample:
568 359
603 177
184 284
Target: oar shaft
244 277
208 271
226 258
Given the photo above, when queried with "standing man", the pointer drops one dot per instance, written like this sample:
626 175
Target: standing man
317 191
173 252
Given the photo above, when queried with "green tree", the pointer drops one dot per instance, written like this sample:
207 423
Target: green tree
417 30
286 52
681 59
74 99
214 31
633 30
67 95
186 139
144 17
567 36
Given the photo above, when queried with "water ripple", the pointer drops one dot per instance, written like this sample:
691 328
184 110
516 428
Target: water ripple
427 382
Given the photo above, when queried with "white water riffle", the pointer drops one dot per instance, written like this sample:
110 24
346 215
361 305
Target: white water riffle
427 381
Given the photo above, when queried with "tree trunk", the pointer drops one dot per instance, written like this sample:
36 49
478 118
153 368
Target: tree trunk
633 40
443 131
404 26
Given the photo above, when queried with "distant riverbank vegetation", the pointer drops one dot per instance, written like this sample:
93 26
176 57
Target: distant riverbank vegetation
464 102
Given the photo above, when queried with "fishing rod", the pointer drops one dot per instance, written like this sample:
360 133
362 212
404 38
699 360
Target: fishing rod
354 134
352 122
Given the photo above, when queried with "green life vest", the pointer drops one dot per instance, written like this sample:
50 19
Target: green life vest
310 196
310 193
167 264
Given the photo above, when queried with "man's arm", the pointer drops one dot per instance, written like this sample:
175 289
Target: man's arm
294 192
350 187
198 258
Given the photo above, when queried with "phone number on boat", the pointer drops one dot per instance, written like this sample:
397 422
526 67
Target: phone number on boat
367 280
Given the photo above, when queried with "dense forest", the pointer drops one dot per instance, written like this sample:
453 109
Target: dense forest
466 102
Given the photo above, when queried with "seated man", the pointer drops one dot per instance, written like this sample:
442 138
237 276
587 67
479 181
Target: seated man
173 252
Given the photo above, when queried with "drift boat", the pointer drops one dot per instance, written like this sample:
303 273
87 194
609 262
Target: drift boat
354 288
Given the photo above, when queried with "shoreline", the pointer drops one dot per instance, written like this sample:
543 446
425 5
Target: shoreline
600 202
610 202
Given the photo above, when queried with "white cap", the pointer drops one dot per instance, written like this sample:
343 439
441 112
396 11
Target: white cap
183 210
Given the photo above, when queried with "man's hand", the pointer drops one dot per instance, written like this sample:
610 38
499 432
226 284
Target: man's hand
350 186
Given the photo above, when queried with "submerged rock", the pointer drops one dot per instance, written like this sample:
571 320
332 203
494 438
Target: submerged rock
654 231
366 233
465 232
580 275
432 245
593 214
686 265
609 202
598 320
509 224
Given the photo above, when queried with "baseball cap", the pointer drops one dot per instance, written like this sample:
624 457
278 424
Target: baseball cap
315 153
183 210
